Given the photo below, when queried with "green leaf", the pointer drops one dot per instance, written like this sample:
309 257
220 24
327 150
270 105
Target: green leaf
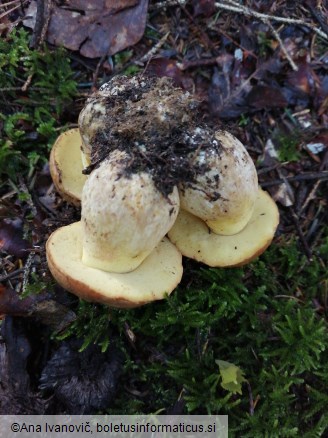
232 376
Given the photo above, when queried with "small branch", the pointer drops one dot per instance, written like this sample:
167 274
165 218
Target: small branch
27 82
318 16
197 63
311 195
10 10
152 52
302 177
251 399
283 48
233 6
11 275
300 233
13 2
43 14
167 4
96 73
47 16
27 270
225 34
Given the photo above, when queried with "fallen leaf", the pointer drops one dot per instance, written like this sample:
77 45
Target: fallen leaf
203 7
270 154
315 148
16 394
283 194
232 376
230 86
223 102
262 96
11 240
97 28
85 382
304 79
162 67
40 306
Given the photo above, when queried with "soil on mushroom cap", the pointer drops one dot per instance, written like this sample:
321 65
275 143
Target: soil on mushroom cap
159 126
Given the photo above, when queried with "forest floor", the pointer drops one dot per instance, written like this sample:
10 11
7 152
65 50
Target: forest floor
258 69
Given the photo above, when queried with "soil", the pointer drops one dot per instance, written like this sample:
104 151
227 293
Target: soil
158 124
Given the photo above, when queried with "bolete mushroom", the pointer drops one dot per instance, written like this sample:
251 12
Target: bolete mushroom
124 216
158 275
146 149
225 186
131 111
225 219
66 166
117 254
195 240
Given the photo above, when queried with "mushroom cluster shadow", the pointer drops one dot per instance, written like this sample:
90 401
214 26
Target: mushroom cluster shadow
155 183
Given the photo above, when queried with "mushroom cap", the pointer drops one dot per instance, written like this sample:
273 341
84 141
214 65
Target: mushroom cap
124 215
91 119
66 166
226 186
156 277
136 109
193 238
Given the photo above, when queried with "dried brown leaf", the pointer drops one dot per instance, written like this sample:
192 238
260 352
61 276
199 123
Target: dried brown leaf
203 7
41 306
164 67
262 96
283 194
95 28
11 240
304 79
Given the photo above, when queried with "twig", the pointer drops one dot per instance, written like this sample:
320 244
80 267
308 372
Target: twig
289 297
267 169
13 2
245 83
225 34
283 48
9 11
11 275
302 177
27 82
203 35
318 16
47 16
96 73
306 247
233 6
27 270
310 196
43 13
152 52
167 4
197 63
251 399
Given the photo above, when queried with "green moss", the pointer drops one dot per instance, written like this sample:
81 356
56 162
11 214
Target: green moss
30 117
288 147
260 318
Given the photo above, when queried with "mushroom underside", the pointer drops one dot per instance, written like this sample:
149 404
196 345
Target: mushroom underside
195 240
155 278
66 166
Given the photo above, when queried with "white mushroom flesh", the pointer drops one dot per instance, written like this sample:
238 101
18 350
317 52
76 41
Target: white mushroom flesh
224 194
123 216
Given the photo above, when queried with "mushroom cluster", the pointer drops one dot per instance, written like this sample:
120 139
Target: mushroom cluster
144 165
